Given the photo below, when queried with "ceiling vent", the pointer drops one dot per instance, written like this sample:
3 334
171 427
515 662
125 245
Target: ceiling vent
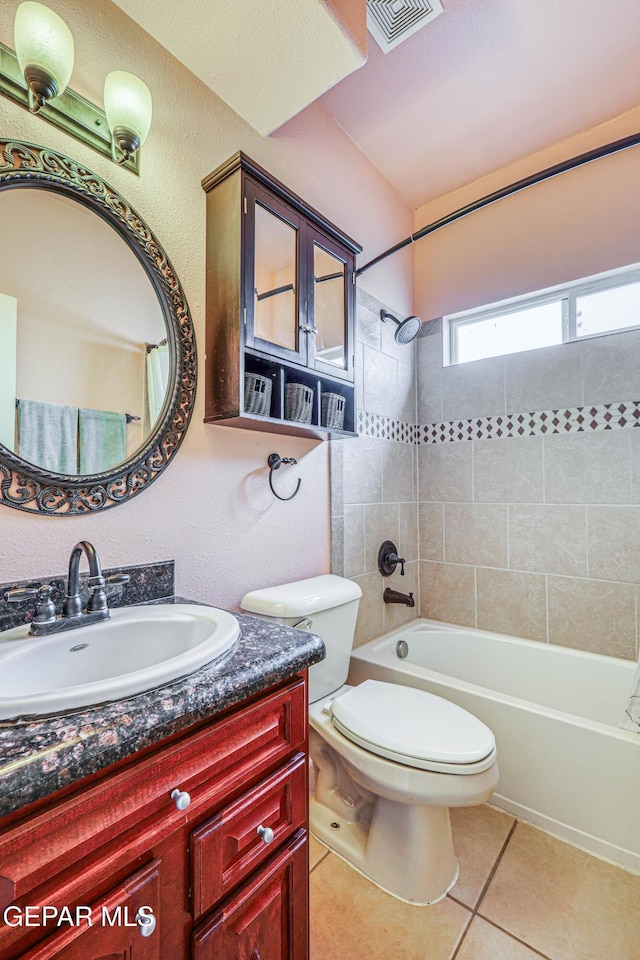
390 22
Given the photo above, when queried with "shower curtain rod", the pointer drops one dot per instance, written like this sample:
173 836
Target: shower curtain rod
615 147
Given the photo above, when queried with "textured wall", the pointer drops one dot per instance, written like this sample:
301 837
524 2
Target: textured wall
373 478
533 535
211 510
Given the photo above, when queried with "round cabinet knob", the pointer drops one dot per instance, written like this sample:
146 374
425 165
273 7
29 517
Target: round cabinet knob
146 922
266 833
181 799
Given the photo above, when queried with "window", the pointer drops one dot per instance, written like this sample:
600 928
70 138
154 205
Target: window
607 303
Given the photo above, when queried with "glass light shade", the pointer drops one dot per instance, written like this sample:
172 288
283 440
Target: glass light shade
127 104
44 41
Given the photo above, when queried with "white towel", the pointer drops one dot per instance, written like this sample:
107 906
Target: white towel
631 720
48 435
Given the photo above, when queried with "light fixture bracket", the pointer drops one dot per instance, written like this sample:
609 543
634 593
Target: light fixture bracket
69 112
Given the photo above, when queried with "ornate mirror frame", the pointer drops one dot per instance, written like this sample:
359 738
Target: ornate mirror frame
32 489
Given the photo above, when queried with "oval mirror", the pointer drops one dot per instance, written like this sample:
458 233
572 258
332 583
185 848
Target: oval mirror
97 351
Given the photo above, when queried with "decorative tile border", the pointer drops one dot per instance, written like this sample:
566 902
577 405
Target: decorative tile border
384 428
603 416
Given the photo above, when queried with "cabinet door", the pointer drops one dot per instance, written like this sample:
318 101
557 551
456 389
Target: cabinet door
331 306
103 941
267 919
275 305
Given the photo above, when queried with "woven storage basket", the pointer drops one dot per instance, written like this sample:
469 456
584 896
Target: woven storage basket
299 403
257 394
333 411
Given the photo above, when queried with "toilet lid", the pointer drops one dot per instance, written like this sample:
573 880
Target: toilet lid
409 725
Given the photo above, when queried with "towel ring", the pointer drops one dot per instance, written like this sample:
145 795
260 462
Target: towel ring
274 461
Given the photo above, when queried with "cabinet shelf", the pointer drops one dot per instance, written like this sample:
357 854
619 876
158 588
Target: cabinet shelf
261 236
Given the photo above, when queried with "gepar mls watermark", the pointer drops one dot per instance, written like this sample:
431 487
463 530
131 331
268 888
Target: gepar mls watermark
50 916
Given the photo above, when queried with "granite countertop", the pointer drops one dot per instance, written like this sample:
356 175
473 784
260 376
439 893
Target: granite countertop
38 757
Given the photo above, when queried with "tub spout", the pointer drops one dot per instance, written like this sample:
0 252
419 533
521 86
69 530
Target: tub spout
394 596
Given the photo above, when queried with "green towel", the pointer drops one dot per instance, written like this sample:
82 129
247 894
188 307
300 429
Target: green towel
48 435
102 439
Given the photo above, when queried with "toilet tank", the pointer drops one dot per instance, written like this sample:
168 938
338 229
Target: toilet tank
326 605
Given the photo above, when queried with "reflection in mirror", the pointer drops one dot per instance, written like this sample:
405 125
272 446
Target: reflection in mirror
275 303
329 306
84 362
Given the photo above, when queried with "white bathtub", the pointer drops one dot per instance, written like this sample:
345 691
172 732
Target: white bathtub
565 765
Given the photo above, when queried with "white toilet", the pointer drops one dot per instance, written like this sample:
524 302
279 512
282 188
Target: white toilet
389 760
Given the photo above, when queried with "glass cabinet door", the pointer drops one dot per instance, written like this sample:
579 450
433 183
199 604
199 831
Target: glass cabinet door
272 286
331 281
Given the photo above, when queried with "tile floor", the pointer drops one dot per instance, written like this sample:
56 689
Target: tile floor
521 895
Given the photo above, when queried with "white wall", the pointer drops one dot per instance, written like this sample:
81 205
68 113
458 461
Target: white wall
211 510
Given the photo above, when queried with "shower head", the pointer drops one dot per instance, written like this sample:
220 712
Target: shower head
406 330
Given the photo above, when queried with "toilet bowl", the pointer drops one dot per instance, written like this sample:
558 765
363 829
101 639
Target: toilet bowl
388 760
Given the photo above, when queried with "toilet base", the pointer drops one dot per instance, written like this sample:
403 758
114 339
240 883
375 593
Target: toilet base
405 849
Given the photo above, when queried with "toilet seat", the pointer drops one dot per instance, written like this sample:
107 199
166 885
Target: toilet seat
413 727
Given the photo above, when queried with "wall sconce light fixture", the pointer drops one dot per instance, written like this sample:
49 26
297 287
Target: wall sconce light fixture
36 77
44 47
127 102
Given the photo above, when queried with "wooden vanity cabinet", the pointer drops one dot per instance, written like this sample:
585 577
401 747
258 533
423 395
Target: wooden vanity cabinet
225 877
280 303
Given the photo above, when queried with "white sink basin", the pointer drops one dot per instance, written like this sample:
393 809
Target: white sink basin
138 649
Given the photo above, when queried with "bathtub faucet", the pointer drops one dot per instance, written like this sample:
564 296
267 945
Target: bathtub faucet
394 596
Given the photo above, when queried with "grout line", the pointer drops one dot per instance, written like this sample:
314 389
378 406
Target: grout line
473 471
317 864
546 607
474 910
463 937
475 596
514 937
495 866
586 534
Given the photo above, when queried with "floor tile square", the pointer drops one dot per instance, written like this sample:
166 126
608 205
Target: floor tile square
352 918
485 942
479 834
562 901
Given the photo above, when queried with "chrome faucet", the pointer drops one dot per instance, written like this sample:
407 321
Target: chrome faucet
45 620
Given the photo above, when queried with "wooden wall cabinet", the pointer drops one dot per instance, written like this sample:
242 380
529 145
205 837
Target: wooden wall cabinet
280 303
225 877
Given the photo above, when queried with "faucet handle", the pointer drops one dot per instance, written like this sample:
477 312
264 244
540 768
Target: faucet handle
98 599
45 608
21 594
118 579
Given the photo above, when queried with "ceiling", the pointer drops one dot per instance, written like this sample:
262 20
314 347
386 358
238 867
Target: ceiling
268 59
484 84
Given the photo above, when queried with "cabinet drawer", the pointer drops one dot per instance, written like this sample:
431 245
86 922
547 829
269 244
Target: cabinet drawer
97 937
227 848
267 918
133 809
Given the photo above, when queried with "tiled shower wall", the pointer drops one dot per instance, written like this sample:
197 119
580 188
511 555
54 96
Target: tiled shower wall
374 477
529 490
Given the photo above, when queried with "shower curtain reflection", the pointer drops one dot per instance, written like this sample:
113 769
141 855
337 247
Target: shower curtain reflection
157 378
